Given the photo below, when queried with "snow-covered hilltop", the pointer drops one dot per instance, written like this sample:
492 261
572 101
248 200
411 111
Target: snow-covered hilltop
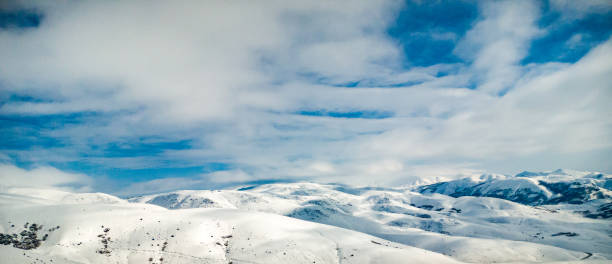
589 191
541 217
531 188
94 229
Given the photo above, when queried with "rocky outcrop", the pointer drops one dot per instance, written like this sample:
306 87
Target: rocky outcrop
26 239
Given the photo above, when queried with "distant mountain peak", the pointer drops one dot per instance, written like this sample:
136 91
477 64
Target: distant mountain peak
530 188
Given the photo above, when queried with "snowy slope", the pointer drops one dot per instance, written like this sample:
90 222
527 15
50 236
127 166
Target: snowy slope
95 228
532 188
471 229
378 225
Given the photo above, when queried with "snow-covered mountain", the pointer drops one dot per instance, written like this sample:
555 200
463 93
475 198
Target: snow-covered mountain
531 188
91 228
344 224
591 190
468 228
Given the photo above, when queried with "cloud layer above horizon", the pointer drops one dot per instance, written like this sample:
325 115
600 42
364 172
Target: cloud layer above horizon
155 95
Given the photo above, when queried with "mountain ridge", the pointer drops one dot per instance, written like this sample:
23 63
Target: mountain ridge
395 213
471 229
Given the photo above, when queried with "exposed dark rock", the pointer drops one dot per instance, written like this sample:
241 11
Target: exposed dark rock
105 241
426 207
26 239
568 234
573 193
423 215
604 211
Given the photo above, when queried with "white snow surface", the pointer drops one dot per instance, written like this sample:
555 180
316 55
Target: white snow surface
143 233
311 223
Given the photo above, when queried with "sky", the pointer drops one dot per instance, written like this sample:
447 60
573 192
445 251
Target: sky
134 97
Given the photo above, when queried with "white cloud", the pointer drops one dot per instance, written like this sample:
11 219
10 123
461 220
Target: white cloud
217 179
45 177
192 62
499 41
323 167
159 185
572 10
229 80
561 110
227 176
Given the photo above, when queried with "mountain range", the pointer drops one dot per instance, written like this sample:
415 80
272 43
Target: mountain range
555 216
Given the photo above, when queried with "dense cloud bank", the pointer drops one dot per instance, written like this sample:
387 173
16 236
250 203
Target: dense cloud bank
222 91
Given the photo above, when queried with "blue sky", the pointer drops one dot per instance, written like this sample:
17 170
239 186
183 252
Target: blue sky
137 97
